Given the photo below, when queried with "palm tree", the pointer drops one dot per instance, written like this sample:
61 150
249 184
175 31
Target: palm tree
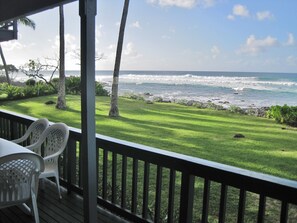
24 21
114 110
61 101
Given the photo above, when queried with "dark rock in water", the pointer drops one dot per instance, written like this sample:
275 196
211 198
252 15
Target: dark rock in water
158 99
238 135
165 100
149 102
49 103
190 103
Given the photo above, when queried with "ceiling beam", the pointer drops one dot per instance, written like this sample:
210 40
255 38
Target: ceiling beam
14 9
6 35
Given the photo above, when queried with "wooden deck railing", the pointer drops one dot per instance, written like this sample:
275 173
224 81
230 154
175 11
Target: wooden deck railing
145 184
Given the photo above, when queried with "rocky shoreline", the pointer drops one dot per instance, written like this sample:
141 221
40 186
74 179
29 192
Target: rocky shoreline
216 104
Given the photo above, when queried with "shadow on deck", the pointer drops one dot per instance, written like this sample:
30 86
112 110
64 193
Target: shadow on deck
51 209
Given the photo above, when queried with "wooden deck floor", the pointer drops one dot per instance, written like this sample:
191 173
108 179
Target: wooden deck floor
53 210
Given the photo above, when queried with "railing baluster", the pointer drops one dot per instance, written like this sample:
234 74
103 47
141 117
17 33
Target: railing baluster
71 163
114 178
1 128
205 201
134 186
241 206
284 212
223 201
261 211
80 168
146 177
186 198
171 196
124 182
104 172
158 194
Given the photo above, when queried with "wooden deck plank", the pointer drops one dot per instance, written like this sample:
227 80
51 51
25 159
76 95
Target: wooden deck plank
53 210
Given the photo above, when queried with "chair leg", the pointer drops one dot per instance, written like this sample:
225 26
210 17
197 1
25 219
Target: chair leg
35 209
58 185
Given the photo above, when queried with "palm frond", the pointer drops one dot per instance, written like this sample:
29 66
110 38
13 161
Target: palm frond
27 22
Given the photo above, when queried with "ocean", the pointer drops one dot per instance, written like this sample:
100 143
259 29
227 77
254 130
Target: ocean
244 89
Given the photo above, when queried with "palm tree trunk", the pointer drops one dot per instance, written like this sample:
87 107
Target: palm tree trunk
4 65
61 101
114 110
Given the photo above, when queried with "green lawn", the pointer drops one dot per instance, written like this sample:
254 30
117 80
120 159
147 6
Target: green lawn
203 133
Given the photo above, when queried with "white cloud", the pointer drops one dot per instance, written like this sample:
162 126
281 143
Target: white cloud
15 44
136 24
12 45
130 50
231 17
215 51
240 10
183 3
70 43
291 40
264 15
206 3
99 31
111 47
254 46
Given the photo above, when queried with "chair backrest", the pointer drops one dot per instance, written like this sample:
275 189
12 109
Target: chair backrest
34 131
19 174
53 140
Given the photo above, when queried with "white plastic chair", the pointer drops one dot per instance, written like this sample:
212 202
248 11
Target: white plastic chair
33 132
19 174
53 141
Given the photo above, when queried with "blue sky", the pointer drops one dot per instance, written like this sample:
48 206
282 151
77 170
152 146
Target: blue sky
200 35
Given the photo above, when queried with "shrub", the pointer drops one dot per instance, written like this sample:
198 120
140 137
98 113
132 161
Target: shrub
73 85
13 92
100 91
30 91
283 114
30 82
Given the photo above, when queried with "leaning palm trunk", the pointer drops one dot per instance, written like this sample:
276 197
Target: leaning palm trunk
61 101
114 110
4 65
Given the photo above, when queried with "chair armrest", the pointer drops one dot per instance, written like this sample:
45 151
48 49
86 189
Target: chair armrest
54 155
19 140
35 147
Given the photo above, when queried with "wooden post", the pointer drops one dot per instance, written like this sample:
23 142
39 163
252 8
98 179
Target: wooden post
87 11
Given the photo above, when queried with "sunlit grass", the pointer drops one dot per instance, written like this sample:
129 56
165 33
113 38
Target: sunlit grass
203 133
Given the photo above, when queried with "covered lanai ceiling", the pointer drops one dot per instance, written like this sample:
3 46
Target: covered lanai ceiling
14 9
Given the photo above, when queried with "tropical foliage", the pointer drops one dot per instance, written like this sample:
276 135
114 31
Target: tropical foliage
283 114
33 88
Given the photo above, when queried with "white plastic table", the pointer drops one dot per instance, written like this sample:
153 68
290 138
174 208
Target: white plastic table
8 148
